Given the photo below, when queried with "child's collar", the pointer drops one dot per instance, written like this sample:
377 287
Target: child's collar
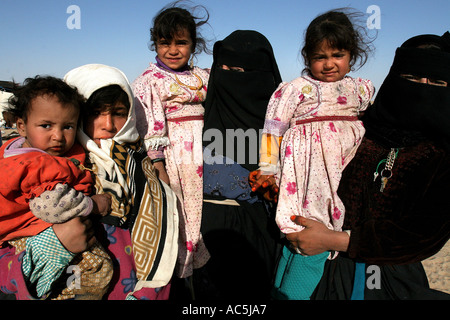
15 148
160 64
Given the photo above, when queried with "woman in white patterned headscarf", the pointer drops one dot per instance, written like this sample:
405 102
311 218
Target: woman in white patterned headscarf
143 223
141 232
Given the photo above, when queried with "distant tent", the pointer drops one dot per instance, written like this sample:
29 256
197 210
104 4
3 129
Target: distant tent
6 88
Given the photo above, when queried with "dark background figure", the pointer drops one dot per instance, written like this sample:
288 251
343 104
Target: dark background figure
237 225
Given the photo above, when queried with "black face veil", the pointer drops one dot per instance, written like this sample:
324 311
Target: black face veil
238 100
405 111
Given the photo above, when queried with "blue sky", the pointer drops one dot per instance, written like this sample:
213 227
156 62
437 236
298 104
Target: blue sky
35 38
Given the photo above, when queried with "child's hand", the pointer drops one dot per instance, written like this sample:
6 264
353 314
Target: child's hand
102 204
76 235
257 180
264 184
161 172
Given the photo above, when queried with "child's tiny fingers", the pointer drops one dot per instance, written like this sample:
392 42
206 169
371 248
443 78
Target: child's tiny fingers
255 187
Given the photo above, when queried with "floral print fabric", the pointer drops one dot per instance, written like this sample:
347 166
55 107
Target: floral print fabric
169 115
314 153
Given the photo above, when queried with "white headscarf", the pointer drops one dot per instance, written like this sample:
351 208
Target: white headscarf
91 77
87 79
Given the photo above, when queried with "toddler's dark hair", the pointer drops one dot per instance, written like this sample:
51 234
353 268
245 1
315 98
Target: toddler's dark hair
23 95
343 30
173 19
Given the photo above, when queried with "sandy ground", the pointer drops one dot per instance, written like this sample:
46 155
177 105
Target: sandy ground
437 268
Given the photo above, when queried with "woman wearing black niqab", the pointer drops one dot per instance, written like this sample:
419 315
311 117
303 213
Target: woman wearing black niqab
237 225
406 110
237 99
396 189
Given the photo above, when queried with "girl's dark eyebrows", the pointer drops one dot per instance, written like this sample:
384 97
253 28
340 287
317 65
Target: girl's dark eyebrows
119 109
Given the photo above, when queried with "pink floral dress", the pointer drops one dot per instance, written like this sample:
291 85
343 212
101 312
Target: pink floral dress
169 116
320 135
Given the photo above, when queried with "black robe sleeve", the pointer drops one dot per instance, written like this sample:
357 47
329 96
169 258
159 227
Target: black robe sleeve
410 220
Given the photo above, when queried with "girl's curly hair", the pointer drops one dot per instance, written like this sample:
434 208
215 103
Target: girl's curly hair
343 29
173 19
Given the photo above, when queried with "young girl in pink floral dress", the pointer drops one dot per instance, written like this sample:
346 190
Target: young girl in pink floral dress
311 133
169 112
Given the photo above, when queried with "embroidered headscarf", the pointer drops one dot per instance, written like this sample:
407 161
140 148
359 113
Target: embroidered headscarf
404 111
140 201
238 100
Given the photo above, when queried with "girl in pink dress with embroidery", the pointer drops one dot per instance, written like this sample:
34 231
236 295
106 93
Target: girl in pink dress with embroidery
311 133
169 113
